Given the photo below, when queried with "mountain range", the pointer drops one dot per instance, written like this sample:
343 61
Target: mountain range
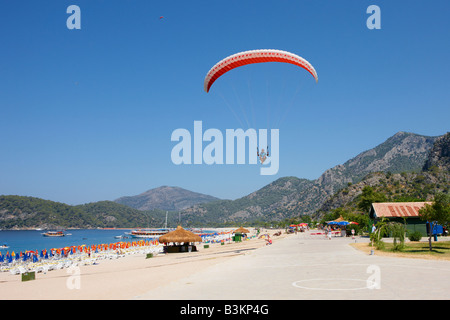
416 185
405 165
292 196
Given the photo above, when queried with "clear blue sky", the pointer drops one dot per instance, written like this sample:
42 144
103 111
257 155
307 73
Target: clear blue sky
87 115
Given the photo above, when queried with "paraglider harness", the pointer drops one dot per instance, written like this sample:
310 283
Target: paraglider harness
263 155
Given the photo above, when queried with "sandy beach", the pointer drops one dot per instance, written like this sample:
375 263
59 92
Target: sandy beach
124 278
301 266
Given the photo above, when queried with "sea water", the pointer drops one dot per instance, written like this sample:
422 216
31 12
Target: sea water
22 240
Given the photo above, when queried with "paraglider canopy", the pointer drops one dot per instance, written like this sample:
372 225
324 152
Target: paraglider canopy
255 56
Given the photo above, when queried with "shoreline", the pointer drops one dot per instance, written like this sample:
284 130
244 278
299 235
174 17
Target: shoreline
124 278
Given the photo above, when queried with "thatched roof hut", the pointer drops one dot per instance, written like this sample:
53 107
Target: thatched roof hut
180 235
337 220
241 230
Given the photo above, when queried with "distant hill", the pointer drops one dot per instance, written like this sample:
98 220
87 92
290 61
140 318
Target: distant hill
263 204
19 212
291 196
165 198
109 214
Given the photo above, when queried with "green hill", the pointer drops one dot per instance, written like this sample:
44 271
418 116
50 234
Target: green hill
19 212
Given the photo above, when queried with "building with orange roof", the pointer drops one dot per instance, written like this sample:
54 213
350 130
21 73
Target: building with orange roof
404 212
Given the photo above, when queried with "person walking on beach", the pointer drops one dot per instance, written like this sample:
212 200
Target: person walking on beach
329 233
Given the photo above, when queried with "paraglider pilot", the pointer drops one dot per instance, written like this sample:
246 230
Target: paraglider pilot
262 155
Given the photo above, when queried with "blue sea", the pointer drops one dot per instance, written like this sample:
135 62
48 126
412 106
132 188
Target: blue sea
34 240
23 240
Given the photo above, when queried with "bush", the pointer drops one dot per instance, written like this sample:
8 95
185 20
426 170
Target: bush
415 236
376 242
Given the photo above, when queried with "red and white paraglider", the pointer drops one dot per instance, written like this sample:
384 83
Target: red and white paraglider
255 56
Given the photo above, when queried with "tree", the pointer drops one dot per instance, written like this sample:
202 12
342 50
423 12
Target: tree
436 213
393 229
368 197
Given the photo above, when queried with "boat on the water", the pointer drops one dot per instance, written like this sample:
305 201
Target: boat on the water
4 246
53 234
149 233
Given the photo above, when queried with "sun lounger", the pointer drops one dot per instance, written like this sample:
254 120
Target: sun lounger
14 271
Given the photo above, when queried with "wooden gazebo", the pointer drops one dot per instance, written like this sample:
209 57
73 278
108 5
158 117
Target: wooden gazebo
182 240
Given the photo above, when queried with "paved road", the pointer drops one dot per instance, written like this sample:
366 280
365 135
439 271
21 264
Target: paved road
306 267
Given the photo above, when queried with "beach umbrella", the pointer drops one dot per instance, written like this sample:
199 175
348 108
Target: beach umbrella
352 222
343 223
180 235
332 222
1 258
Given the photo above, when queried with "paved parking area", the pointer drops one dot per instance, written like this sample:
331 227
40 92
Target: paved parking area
309 267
